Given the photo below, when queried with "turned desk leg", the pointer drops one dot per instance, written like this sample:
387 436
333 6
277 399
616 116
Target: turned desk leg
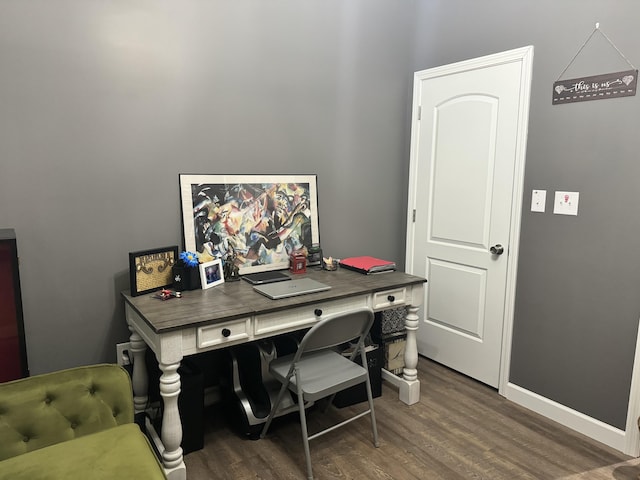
171 433
410 372
139 377
410 390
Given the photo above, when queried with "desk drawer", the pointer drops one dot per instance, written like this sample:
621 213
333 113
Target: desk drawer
222 333
389 298
296 318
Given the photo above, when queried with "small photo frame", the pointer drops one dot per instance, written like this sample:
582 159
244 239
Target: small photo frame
211 274
151 270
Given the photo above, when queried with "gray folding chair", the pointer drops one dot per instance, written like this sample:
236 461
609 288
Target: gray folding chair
317 371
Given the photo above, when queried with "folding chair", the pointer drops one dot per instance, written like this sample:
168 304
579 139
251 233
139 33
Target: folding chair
317 371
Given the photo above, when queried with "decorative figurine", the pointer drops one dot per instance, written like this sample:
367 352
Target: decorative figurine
330 264
230 269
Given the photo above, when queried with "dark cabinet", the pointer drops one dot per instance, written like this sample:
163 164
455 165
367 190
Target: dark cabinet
13 351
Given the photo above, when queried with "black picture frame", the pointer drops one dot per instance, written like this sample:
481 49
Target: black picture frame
151 270
258 220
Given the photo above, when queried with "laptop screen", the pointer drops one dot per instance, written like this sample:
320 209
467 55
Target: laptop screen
265 277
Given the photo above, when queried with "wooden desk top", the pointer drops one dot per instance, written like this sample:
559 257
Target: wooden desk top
232 300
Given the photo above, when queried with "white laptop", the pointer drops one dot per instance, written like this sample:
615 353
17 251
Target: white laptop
291 288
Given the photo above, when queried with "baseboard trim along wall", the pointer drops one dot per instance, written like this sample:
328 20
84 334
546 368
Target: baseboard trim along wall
592 428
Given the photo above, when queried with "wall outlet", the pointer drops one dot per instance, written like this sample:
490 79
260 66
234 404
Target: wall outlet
123 354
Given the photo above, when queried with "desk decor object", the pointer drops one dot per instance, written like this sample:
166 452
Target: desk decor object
330 264
211 274
297 262
261 218
151 270
314 255
230 269
186 274
367 265
165 294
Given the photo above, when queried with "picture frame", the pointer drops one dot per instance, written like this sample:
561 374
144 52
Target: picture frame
151 270
211 274
255 221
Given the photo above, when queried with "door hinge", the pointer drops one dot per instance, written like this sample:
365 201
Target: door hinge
414 215
419 112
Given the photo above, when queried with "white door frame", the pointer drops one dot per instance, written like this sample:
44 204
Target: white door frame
523 55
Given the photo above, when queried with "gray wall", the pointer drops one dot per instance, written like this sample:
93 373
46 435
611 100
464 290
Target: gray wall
103 104
577 302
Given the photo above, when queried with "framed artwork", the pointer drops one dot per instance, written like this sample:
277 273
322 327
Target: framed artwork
211 274
150 270
255 221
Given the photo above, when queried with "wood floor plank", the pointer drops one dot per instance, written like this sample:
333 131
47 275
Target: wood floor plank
460 429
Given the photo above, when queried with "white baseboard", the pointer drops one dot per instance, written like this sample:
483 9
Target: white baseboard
592 428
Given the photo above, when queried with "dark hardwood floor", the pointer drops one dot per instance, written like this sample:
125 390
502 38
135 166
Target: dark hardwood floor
460 429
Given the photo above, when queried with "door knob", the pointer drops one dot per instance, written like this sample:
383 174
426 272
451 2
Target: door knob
497 249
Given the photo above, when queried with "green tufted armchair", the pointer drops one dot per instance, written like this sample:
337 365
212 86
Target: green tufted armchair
73 424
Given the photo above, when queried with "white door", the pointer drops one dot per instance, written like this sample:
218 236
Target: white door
467 163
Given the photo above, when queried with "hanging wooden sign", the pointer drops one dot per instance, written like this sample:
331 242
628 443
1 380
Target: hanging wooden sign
597 87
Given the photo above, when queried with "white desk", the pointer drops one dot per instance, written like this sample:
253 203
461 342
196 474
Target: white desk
233 313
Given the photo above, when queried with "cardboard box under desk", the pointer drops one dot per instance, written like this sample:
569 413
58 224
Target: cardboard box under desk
393 346
389 332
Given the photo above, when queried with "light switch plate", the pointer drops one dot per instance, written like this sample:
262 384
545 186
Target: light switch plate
566 203
538 200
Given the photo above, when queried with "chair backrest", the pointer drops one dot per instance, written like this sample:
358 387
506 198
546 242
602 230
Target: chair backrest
336 330
59 406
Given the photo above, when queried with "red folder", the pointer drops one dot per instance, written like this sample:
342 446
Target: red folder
367 265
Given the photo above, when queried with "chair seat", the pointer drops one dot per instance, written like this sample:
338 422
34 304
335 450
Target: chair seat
118 452
323 373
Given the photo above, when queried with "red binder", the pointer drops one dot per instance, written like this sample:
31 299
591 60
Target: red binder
367 265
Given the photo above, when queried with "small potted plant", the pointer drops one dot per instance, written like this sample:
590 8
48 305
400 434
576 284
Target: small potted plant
186 275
